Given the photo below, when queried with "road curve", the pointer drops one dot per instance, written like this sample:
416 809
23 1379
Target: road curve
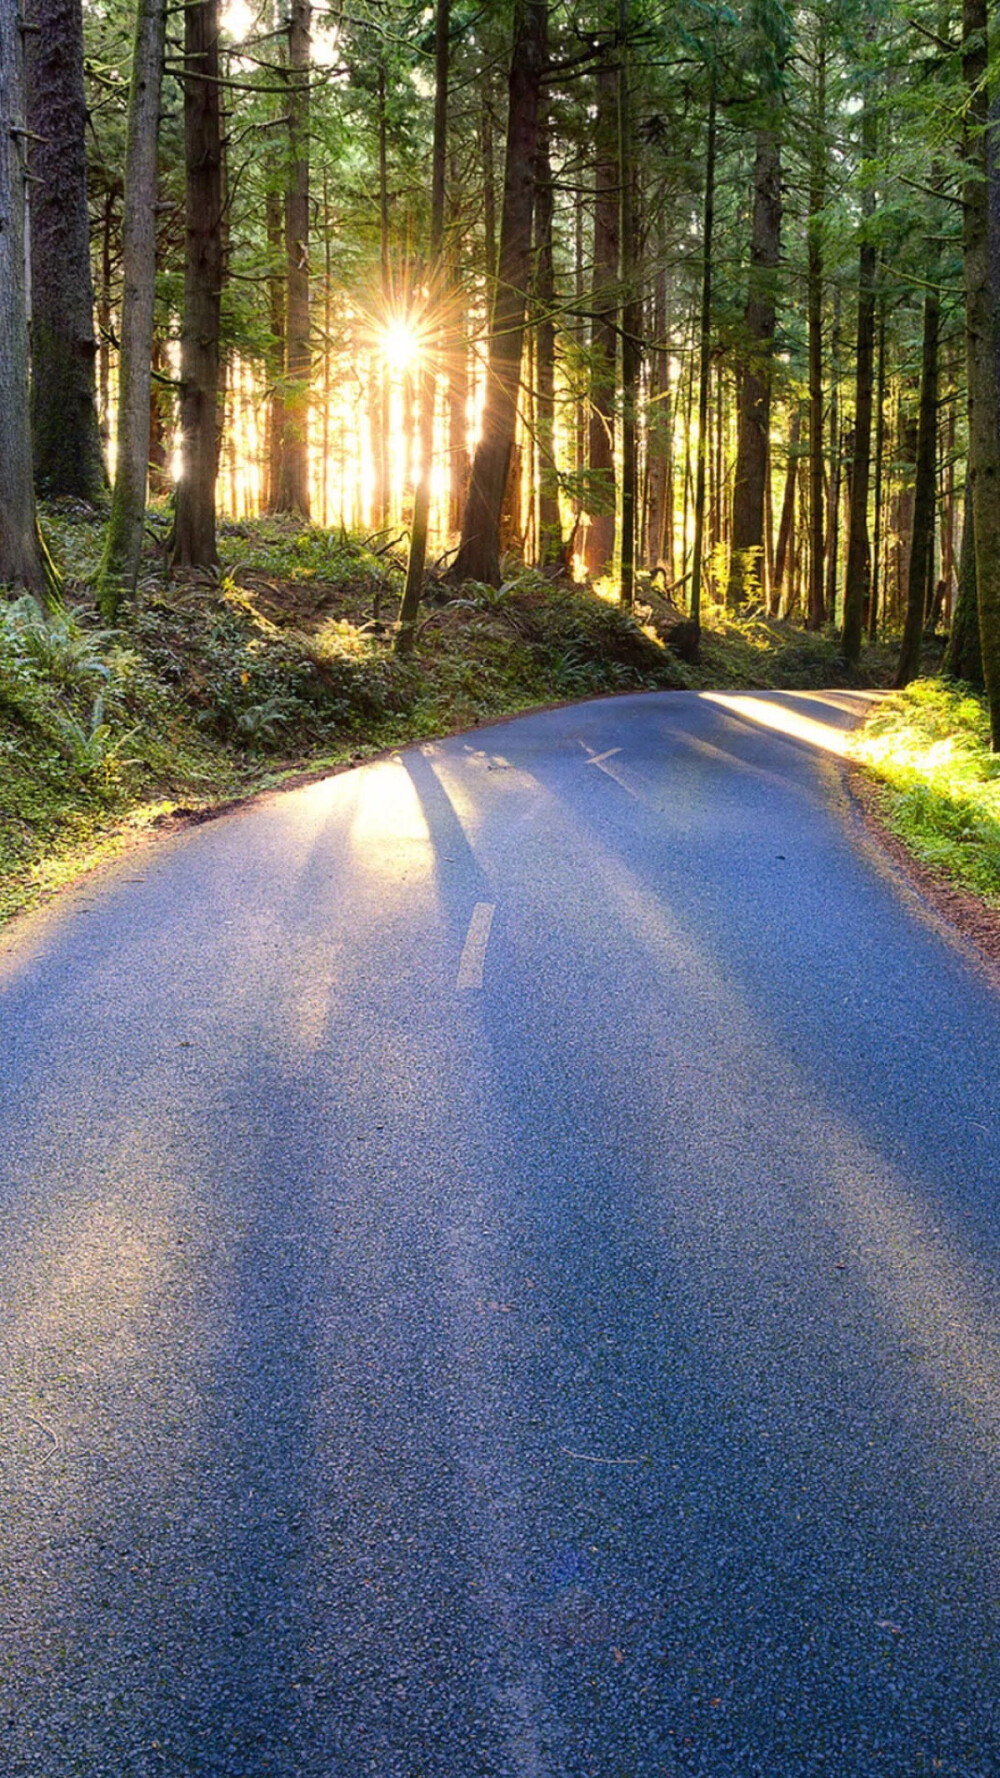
500 1264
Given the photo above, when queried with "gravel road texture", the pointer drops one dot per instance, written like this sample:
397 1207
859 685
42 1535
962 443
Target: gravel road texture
500 1264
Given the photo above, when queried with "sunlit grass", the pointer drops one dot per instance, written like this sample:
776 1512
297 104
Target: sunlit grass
929 748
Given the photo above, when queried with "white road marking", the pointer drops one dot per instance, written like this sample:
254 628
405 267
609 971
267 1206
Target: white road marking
597 758
470 968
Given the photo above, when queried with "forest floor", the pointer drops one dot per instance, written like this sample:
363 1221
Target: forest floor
215 687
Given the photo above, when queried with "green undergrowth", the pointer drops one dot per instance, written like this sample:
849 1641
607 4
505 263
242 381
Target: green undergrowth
214 686
928 748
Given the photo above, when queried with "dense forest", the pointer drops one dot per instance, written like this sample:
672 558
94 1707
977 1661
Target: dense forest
697 292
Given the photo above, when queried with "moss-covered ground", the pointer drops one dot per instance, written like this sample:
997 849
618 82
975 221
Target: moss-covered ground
938 783
215 686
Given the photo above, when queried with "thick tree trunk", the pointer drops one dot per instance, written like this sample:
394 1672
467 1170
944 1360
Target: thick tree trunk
293 483
600 543
194 527
64 425
924 498
981 360
817 198
857 578
123 544
747 558
479 551
428 376
550 541
21 561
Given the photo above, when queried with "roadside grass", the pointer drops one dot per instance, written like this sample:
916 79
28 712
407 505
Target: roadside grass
939 785
215 686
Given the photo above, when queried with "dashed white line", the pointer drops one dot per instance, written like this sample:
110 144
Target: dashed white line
470 968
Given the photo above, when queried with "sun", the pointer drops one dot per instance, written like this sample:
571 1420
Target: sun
400 344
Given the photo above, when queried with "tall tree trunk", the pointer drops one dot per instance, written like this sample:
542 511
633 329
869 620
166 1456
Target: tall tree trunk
161 419
836 468
194 543
924 498
783 553
876 581
458 367
275 411
550 542
604 330
963 657
631 316
659 540
981 358
817 198
857 578
479 551
383 491
123 544
21 561
64 425
704 359
293 487
432 345
747 557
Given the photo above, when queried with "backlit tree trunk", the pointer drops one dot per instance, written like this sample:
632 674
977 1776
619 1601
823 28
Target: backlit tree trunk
746 569
293 481
858 574
604 331
479 551
65 432
817 198
550 543
123 544
194 528
924 498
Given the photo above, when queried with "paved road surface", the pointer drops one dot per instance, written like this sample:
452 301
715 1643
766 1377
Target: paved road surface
500 1265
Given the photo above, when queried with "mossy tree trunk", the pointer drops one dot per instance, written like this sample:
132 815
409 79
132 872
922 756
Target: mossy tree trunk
604 330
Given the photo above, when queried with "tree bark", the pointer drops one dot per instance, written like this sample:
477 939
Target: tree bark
747 556
786 526
981 359
704 359
963 657
123 545
410 602
924 496
631 316
817 197
293 481
600 542
21 562
194 526
858 573
65 431
479 550
550 541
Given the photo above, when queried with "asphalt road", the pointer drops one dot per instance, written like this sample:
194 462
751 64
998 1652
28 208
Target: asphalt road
500 1278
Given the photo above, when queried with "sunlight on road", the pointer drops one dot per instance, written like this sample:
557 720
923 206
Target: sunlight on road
793 724
389 834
